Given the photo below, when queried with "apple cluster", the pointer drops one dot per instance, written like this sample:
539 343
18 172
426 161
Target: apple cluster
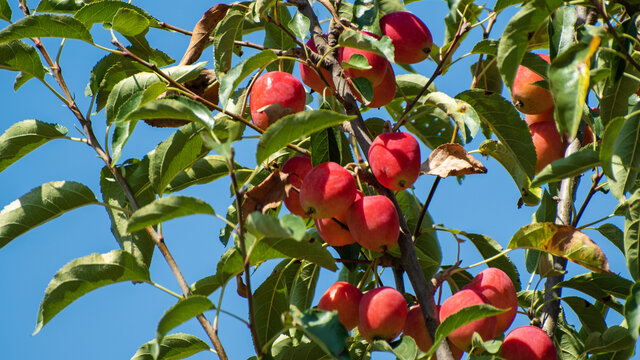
538 106
382 313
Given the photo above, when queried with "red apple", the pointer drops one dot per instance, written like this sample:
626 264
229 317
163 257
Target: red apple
345 298
534 118
273 95
527 97
497 287
461 337
528 343
373 222
548 143
336 233
410 36
382 314
297 167
312 79
415 327
395 160
378 63
328 190
383 93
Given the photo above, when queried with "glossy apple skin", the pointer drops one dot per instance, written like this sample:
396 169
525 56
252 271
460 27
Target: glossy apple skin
410 36
528 343
394 159
332 232
382 314
529 98
548 143
297 167
312 79
415 327
328 190
497 287
461 337
345 298
275 87
373 222
534 118
377 62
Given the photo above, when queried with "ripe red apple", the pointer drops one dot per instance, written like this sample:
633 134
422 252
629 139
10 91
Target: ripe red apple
497 287
410 36
378 63
527 97
383 93
273 95
528 343
548 143
345 298
382 314
415 327
373 222
534 118
588 136
334 233
297 167
312 79
461 337
395 160
328 190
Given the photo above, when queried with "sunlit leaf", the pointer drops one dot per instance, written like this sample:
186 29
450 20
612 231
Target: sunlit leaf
323 328
357 40
203 171
167 208
625 160
632 310
589 316
561 240
404 348
183 310
46 25
462 114
613 339
225 34
130 22
84 275
18 56
105 11
609 140
172 347
5 11
570 166
180 108
25 136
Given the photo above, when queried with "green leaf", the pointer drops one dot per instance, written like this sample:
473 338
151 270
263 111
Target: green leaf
363 87
172 347
230 81
570 166
487 47
165 209
46 25
25 136
297 125
303 287
326 145
85 274
18 56
430 125
404 348
562 30
459 319
203 171
180 108
365 12
616 93
632 310
138 243
5 11
632 235
299 25
487 247
140 46
105 11
609 140
275 38
40 205
357 40
589 316
530 195
224 36
625 160
515 38
175 154
357 61
613 234
21 79
389 6
129 22
124 89
614 339
461 113
569 84
324 329
183 310
489 79
601 287
503 120
561 240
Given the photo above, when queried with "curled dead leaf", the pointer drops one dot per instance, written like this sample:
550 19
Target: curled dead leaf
275 111
202 31
268 195
241 287
451 160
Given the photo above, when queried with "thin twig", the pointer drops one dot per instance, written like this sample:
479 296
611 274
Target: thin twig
592 191
416 231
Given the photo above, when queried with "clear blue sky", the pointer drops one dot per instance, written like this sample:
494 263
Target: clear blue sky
112 322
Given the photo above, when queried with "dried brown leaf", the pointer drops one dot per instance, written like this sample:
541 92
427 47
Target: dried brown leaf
268 195
275 111
202 31
451 160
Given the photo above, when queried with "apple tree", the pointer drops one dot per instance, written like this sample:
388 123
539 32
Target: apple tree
330 189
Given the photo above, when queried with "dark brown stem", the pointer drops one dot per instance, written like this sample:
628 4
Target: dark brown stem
417 231
243 251
592 191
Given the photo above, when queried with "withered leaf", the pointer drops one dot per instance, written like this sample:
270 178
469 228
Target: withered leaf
202 31
268 195
275 111
564 241
451 160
